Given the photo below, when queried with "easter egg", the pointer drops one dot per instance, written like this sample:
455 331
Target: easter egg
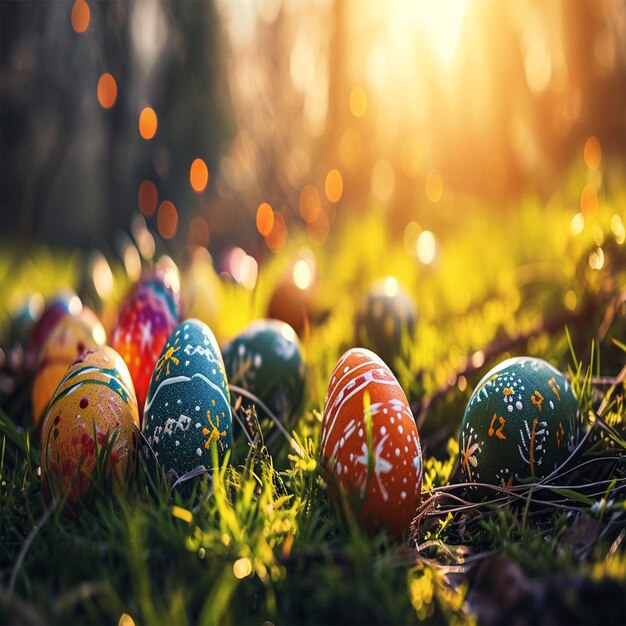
384 317
146 321
522 421
188 402
371 448
68 340
265 359
64 303
292 303
95 399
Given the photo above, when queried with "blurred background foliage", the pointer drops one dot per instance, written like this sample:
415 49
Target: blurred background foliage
316 108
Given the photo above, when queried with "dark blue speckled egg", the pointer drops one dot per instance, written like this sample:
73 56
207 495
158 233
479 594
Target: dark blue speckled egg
188 403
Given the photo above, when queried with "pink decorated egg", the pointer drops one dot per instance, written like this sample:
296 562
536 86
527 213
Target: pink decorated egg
146 321
370 445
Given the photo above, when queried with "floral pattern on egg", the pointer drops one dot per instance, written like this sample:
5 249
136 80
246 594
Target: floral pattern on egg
521 422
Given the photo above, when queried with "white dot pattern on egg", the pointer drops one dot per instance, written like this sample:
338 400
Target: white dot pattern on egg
394 458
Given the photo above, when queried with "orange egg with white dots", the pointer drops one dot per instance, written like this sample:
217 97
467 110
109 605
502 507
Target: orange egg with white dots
370 444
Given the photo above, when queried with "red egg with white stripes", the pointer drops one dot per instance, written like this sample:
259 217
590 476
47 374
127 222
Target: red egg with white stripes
370 444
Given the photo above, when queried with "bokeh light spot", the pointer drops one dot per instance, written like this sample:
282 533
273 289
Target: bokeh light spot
571 299
264 219
478 359
74 306
596 259
148 123
334 185
426 247
391 287
80 16
245 270
434 186
198 175
593 153
147 198
143 237
303 273
167 219
132 261
358 101
589 201
310 203
617 227
577 224
102 277
275 240
107 90
198 234
242 568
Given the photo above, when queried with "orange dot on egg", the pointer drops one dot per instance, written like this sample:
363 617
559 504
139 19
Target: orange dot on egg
198 175
80 16
148 123
107 90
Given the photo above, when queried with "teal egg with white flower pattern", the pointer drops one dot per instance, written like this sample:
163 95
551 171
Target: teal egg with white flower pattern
522 422
266 361
187 408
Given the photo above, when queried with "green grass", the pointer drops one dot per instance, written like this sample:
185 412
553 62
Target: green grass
258 540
